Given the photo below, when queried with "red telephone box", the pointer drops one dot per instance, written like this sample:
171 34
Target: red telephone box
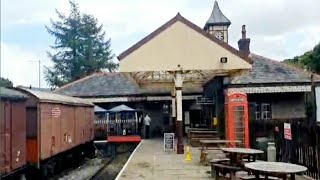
237 121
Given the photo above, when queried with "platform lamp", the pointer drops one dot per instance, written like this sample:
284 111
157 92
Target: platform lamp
39 62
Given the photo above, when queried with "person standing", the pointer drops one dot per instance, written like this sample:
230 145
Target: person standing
147 121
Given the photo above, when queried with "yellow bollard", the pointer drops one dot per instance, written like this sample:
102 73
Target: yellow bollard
188 154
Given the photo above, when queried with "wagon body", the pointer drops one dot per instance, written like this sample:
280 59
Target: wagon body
12 130
55 124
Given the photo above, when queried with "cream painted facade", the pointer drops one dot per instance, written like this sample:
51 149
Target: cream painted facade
181 45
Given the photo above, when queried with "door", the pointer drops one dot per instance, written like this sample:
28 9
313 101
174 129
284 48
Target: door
18 135
5 137
195 116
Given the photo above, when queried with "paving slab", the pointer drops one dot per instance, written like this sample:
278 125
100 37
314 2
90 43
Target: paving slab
150 161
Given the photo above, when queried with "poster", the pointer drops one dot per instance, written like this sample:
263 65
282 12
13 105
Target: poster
168 141
287 131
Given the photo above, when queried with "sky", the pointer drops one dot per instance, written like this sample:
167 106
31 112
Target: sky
278 29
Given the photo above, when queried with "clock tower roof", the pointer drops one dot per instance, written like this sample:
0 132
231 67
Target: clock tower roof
217 17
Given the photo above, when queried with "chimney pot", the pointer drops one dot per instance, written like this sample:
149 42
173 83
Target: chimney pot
244 32
244 42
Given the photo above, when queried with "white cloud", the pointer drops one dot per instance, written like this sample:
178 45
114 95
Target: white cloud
312 37
272 25
16 65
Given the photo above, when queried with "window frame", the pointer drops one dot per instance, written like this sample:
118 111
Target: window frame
263 112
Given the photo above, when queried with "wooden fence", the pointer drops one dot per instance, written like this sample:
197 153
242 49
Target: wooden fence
303 149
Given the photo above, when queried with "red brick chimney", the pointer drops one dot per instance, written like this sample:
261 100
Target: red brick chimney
244 42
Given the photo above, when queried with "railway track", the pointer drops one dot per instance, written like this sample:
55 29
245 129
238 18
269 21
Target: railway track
113 167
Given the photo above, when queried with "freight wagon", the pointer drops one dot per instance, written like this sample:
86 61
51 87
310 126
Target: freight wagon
12 131
57 127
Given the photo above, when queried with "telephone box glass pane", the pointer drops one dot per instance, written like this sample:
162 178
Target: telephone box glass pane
239 122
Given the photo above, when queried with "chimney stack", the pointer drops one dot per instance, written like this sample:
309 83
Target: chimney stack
244 42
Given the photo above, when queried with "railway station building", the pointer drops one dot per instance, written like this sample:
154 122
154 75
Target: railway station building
181 75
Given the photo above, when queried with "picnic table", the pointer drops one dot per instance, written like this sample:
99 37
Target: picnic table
216 143
212 145
279 169
237 154
235 163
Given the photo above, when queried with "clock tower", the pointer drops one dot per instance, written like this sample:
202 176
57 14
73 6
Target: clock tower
218 24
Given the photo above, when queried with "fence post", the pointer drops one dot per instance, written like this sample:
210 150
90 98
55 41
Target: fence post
314 104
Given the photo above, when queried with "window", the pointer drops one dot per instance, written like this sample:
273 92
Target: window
265 113
262 111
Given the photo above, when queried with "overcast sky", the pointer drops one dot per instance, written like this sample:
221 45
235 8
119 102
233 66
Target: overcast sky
278 29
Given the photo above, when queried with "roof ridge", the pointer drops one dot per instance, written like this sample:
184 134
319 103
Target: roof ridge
290 66
78 80
188 23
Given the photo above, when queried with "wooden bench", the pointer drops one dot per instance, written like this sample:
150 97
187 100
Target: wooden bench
249 177
203 156
217 168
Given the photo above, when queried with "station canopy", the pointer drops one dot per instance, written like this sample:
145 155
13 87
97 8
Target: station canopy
180 45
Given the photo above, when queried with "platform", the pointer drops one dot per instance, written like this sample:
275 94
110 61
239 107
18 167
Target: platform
150 161
124 139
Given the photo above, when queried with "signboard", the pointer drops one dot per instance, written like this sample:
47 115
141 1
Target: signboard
56 112
238 99
204 100
287 131
168 141
137 99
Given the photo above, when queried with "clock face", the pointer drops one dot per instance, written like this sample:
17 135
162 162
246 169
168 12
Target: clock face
218 34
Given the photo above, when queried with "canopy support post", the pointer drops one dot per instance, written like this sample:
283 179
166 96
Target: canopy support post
178 89
173 114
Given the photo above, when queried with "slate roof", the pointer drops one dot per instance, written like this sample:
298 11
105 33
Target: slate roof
101 84
217 17
267 71
264 71
6 93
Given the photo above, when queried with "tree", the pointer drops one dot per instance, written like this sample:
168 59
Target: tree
309 60
80 48
4 82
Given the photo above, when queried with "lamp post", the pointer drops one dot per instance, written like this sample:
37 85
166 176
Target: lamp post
39 62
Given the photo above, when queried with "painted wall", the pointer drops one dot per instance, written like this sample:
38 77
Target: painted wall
180 44
283 105
289 106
